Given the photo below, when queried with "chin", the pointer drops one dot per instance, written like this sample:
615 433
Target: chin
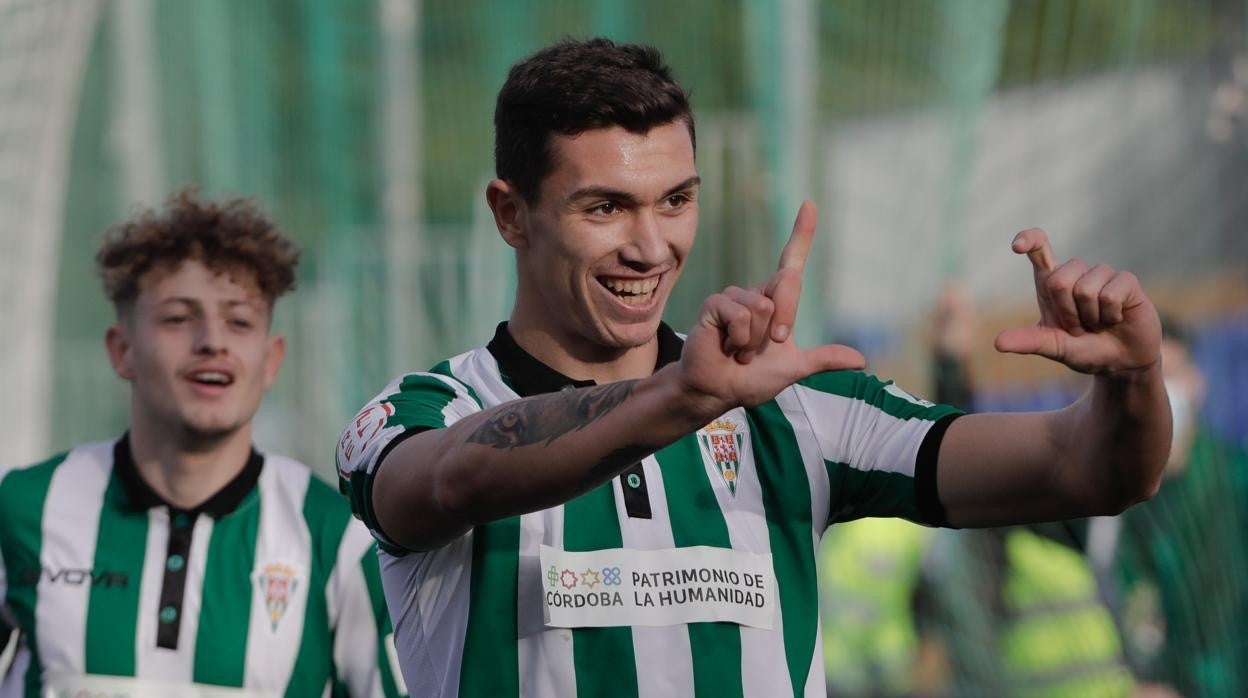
208 431
632 335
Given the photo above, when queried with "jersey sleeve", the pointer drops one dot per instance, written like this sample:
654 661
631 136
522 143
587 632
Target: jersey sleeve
363 652
409 405
879 445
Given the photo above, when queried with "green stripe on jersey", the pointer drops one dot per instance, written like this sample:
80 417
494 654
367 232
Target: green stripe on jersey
590 523
885 395
697 520
786 503
444 369
225 616
113 610
327 521
22 496
420 400
377 596
491 658
878 493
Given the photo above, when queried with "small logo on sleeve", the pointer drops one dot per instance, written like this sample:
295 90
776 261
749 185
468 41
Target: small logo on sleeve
360 433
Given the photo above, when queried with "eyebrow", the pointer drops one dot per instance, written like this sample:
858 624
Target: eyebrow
196 302
600 192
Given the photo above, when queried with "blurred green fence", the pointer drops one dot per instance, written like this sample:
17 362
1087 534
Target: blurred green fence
928 131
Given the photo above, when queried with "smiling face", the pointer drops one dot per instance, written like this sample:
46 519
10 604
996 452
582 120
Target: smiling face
196 349
601 247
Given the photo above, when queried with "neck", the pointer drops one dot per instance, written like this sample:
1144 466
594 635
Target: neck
187 470
578 359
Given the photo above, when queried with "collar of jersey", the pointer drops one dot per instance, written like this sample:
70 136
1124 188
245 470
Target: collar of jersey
140 495
528 376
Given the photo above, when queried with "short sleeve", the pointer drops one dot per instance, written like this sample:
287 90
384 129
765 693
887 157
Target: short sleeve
879 445
411 404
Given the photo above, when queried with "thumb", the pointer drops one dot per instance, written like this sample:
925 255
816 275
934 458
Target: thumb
1042 341
829 357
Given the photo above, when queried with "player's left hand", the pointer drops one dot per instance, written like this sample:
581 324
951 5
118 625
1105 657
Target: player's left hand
1092 319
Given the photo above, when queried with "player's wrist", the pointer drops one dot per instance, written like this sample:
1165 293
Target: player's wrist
684 404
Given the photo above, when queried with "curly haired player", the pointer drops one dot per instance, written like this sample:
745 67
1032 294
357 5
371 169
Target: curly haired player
178 559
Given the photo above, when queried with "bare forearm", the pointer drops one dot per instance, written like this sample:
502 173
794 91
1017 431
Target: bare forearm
1121 436
527 455
1099 455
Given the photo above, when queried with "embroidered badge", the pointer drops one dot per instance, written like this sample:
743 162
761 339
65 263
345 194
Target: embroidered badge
277 583
722 441
360 433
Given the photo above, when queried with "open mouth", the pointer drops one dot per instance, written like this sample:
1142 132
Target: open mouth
631 291
213 378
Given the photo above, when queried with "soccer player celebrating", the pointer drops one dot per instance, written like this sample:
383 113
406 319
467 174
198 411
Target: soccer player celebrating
177 559
593 505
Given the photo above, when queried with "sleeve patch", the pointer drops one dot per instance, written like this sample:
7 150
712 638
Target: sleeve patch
361 432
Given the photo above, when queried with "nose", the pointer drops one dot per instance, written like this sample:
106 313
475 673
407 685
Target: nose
210 336
647 247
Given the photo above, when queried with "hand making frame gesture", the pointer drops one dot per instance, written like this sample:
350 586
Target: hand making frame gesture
1092 319
741 351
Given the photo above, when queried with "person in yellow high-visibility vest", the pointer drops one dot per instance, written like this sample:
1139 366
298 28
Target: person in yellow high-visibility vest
1019 609
868 571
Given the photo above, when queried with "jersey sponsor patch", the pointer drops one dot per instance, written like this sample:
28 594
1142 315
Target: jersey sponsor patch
621 586
277 583
126 687
364 427
722 442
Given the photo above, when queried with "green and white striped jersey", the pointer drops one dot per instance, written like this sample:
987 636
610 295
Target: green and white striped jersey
691 574
268 589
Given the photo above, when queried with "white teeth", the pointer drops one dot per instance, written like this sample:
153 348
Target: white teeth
211 377
634 287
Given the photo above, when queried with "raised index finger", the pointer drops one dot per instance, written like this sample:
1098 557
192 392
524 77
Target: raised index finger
1034 243
785 287
793 256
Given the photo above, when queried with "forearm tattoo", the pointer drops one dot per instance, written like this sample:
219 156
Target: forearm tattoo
615 461
547 417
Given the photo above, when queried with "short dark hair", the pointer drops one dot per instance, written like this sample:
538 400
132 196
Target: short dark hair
225 236
575 86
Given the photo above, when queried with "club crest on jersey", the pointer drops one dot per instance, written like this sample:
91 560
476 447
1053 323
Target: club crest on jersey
722 441
278 583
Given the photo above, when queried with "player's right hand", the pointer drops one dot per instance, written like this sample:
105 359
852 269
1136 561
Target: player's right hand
741 351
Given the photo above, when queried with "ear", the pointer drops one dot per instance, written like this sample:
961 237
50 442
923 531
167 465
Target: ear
117 341
510 211
273 359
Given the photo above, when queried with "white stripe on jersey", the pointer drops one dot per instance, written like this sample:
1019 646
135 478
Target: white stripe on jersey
873 439
76 492
820 498
766 674
283 539
427 594
13 685
545 656
663 655
351 613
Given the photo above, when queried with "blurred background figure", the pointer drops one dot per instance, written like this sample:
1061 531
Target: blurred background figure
868 572
1181 555
1020 610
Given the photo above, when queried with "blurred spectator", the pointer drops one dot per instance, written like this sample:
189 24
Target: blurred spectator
1181 555
868 571
1017 610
